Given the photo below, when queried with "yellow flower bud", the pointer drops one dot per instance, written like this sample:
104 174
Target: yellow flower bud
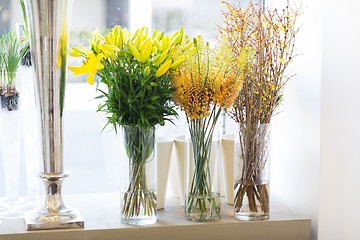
156 58
145 54
157 44
165 43
119 41
116 30
123 36
109 48
164 68
146 71
178 63
138 40
154 33
161 58
175 35
160 35
144 44
187 46
181 31
176 40
75 54
135 52
145 30
136 33
154 49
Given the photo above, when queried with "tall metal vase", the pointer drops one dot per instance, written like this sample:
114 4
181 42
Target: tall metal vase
49 29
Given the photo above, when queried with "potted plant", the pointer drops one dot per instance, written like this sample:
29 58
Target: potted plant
134 68
267 37
11 53
208 82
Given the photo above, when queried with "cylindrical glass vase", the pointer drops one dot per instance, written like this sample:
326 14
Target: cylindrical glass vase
10 120
252 172
202 187
138 176
31 127
31 140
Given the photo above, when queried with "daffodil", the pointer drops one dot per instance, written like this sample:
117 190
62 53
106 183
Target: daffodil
91 65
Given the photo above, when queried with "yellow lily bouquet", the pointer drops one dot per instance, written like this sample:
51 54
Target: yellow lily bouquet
136 70
138 65
208 82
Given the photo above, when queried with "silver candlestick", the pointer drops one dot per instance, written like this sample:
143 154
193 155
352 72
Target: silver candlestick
49 29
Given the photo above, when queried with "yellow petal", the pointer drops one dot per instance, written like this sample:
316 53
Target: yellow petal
100 66
76 70
147 51
90 78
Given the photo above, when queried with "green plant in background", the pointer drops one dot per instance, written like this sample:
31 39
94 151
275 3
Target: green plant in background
11 54
1 62
26 35
135 70
1 66
25 28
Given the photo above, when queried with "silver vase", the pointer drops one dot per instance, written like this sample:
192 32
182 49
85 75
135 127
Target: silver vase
49 30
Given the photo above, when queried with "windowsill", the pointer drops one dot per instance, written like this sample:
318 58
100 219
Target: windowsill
101 213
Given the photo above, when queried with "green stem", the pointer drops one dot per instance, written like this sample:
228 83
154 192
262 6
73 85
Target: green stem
201 132
139 144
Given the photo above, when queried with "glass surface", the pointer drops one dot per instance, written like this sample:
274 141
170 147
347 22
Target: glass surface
139 175
10 120
251 172
202 189
31 141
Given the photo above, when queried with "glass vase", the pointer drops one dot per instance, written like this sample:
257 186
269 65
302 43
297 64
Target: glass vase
10 121
31 140
252 172
31 127
138 176
202 188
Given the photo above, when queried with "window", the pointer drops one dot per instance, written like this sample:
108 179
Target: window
92 157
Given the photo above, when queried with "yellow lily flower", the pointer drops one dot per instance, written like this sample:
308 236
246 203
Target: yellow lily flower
91 65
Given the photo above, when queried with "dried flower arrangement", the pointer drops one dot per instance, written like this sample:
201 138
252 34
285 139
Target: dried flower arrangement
267 36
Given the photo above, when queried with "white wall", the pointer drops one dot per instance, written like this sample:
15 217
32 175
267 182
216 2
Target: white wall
296 130
322 184
339 203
